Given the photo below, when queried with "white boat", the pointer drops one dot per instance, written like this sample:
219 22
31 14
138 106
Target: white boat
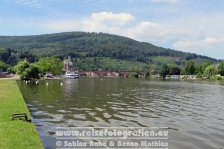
71 74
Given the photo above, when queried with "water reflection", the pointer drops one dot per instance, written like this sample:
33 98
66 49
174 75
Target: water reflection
193 111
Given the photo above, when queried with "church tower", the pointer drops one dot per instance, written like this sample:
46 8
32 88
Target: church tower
68 64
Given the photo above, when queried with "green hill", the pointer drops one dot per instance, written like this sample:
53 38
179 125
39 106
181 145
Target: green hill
98 51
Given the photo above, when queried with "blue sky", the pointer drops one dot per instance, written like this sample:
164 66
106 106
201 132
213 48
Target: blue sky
188 25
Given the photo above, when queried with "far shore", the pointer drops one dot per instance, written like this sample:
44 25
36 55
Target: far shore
152 77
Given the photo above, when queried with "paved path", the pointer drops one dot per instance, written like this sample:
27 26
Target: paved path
15 77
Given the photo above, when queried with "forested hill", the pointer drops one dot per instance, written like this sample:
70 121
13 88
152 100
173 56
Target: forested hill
98 48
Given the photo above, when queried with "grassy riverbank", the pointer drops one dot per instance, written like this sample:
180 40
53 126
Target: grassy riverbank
15 134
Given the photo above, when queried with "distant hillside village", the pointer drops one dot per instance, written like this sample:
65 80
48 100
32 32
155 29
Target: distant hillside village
68 65
54 67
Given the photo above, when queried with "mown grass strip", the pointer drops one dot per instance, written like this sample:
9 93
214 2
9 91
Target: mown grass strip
15 134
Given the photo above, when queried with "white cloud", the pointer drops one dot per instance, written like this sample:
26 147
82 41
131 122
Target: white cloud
97 22
107 22
154 32
126 25
112 18
180 24
142 28
207 42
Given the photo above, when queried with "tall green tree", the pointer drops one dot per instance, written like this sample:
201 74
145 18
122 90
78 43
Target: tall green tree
30 73
201 68
51 64
21 67
210 71
26 70
175 71
190 68
147 75
165 71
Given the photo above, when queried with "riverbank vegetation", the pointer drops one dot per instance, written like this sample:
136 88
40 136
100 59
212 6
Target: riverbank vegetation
15 134
54 65
29 70
211 71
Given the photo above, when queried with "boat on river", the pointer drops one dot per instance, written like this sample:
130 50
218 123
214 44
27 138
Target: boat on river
71 74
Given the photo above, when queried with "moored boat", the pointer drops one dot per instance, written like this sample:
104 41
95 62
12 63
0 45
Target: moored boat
71 74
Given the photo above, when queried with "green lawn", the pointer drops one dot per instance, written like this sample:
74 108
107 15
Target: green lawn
15 134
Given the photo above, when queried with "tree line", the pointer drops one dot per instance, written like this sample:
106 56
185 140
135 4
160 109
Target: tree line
206 70
28 70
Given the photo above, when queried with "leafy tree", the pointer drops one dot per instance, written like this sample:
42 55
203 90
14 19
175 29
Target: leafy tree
30 73
175 71
201 68
165 71
210 71
21 67
221 68
190 68
169 70
26 70
133 75
51 64
11 69
147 75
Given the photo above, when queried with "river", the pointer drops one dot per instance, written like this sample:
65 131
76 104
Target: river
193 111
